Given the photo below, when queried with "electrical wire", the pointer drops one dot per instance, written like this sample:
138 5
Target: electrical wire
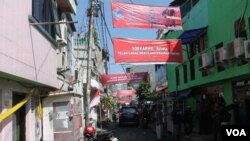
105 35
105 23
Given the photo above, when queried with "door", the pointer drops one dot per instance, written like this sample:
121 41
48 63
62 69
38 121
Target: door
19 118
62 124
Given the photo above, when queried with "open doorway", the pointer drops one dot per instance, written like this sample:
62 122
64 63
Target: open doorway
242 97
19 118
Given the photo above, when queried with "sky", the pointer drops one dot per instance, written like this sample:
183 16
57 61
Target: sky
118 32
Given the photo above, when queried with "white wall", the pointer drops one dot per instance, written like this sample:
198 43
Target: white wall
24 51
33 128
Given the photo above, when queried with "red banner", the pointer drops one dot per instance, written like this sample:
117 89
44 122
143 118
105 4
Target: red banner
147 51
126 96
124 78
127 15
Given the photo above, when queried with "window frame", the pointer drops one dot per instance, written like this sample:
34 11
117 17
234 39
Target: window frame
42 11
198 44
177 74
185 73
240 28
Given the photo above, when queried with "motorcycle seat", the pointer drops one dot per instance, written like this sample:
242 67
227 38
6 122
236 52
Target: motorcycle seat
104 134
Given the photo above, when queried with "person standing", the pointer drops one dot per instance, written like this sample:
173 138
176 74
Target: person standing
221 116
158 122
188 121
177 121
144 117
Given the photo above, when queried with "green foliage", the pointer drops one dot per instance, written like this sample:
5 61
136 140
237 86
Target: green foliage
156 96
108 102
144 91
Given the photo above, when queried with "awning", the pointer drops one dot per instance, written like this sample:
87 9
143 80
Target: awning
161 87
183 94
188 35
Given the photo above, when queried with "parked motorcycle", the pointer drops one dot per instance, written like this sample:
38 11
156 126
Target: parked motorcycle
145 122
90 134
114 118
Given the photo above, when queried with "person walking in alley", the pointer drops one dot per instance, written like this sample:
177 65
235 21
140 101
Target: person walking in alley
221 116
158 122
177 121
188 121
144 117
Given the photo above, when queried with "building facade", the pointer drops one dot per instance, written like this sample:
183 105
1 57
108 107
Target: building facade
215 50
29 70
142 68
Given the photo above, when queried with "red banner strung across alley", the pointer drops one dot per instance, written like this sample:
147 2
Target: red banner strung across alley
147 51
125 96
124 78
127 15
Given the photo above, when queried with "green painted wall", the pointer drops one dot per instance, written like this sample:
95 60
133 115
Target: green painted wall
220 17
196 18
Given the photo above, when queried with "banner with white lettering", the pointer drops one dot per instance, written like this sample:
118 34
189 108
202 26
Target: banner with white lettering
126 96
128 15
147 51
124 78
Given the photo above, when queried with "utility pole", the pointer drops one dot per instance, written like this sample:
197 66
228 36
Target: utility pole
89 62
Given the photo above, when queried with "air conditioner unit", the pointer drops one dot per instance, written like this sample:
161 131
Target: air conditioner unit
247 49
62 61
220 55
59 61
229 51
206 60
62 41
238 47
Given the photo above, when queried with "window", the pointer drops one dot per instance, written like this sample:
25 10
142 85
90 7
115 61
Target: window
192 70
177 76
42 11
240 28
220 67
129 110
205 73
63 58
128 70
249 25
194 2
199 44
185 73
156 67
80 41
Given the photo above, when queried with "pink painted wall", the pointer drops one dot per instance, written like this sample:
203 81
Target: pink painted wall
24 52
